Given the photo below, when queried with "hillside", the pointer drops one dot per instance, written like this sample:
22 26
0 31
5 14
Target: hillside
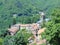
24 9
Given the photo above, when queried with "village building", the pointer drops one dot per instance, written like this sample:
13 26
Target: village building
34 27
29 27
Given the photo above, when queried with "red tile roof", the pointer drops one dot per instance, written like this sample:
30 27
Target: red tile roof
41 30
15 28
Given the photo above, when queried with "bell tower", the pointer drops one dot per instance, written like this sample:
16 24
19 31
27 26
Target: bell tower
42 18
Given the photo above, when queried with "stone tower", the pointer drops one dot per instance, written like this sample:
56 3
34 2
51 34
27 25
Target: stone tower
42 18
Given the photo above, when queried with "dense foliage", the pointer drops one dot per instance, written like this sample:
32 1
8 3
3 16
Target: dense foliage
1 41
20 38
52 33
27 11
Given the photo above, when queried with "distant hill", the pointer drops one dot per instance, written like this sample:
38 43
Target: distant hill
26 7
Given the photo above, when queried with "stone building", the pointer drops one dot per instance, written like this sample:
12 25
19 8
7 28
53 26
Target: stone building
34 27
29 27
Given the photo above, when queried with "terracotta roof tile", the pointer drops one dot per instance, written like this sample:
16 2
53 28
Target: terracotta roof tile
41 30
13 29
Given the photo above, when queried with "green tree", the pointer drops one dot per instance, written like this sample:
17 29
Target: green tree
1 41
8 40
21 38
52 33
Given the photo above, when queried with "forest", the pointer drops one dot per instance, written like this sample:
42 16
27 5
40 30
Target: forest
27 12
